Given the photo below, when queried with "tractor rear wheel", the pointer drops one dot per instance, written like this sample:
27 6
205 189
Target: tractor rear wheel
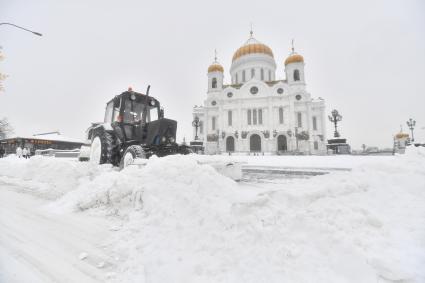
130 154
102 148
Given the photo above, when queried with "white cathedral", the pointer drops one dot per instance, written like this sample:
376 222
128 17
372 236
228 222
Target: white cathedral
258 112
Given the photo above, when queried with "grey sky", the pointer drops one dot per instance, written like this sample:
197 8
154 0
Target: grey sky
365 58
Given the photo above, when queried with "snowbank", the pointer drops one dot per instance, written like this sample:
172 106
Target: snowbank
186 223
48 177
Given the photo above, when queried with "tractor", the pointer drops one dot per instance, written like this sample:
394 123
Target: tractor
134 127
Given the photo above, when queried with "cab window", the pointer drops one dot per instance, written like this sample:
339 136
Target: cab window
109 112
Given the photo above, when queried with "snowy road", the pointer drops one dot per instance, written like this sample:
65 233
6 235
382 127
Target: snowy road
47 246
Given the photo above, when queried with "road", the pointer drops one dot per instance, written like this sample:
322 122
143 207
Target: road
37 245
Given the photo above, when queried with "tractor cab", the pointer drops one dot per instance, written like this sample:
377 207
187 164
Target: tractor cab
129 106
133 114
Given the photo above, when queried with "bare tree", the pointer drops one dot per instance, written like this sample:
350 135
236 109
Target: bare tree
5 128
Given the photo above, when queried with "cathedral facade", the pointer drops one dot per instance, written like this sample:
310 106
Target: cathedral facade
258 112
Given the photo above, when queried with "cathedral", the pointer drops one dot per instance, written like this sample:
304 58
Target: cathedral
257 112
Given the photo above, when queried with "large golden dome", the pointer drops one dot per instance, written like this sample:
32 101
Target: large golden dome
252 46
215 67
294 58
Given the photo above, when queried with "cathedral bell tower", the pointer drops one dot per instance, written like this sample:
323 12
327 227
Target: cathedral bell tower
215 76
294 68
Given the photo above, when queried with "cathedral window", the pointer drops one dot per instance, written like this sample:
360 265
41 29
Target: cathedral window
214 83
299 120
260 116
252 73
229 117
281 115
254 90
270 75
249 116
243 76
314 123
213 123
262 74
296 75
254 117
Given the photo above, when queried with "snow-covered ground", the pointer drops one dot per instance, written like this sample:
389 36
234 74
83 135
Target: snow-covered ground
177 220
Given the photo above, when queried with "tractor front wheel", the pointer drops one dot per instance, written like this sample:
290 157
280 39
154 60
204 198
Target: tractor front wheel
130 154
102 148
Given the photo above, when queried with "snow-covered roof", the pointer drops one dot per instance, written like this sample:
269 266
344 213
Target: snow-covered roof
50 137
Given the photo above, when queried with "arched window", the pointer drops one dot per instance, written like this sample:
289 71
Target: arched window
270 75
280 115
252 73
314 123
214 83
316 145
262 74
296 75
260 116
237 80
243 76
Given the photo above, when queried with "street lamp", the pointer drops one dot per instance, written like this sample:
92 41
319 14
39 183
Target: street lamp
335 118
411 124
10 24
196 123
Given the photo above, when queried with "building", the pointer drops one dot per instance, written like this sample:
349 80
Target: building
258 112
401 141
53 140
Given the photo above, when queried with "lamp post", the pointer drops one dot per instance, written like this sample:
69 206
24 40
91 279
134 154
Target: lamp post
16 26
411 124
196 123
335 118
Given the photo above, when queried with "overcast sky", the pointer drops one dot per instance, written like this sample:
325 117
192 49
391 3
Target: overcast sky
365 58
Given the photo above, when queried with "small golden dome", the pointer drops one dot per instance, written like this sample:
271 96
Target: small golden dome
215 68
294 58
401 136
252 48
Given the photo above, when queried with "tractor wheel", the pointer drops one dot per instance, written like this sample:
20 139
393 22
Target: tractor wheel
130 154
102 148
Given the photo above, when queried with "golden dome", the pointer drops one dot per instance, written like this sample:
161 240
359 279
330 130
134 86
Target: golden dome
215 68
294 58
254 47
401 135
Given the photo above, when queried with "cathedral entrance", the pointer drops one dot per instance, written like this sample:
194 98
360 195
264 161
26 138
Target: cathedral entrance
255 143
230 144
282 143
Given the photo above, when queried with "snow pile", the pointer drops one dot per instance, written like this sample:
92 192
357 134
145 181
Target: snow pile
360 226
48 177
186 216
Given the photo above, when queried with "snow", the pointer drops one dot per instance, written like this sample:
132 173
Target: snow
178 220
